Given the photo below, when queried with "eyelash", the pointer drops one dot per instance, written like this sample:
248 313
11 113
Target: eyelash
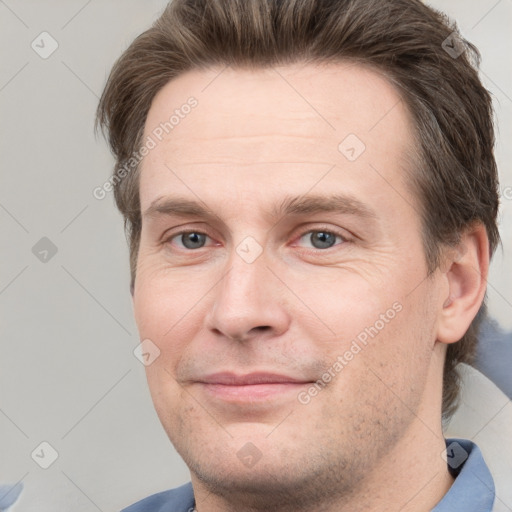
320 229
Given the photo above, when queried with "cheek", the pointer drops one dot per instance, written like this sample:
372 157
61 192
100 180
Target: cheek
373 325
400 356
166 320
340 303
169 309
166 299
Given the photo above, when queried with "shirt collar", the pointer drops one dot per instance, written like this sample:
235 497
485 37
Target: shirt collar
473 488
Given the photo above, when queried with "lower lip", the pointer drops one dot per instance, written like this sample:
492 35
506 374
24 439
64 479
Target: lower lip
252 392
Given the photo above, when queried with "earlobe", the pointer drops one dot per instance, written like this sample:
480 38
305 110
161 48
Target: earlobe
466 274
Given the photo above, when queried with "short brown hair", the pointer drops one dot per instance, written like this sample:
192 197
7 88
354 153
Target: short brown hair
414 46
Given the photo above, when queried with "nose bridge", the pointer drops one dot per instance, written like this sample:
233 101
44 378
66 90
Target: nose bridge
246 265
247 298
244 282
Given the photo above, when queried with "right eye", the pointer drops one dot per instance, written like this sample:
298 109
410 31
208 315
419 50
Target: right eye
189 240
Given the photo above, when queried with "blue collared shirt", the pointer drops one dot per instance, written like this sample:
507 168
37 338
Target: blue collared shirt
472 490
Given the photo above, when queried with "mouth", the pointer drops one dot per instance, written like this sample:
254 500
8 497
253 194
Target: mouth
252 387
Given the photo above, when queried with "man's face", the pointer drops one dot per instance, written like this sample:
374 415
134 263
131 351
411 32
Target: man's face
295 323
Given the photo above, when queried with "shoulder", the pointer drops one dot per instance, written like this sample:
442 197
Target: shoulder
180 499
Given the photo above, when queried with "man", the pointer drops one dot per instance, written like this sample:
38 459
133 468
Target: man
311 195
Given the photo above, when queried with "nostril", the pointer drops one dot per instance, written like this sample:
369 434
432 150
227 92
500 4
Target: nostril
262 328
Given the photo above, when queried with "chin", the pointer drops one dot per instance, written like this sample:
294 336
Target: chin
269 485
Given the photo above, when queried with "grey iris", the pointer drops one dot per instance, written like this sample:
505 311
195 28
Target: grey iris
193 240
322 239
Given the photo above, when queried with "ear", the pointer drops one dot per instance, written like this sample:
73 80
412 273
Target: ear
466 275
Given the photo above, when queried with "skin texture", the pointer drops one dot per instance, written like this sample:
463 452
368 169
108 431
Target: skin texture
370 438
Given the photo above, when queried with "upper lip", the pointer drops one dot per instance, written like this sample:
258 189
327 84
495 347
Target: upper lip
232 379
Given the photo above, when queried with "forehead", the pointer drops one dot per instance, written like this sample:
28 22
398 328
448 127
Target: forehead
282 126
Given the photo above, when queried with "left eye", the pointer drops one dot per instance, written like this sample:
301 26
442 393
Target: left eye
321 239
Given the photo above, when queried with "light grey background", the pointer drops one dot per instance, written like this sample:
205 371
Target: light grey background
68 375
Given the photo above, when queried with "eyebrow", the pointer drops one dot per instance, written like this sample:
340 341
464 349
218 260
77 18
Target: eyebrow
290 205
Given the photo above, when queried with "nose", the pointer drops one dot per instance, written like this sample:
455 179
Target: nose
249 302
